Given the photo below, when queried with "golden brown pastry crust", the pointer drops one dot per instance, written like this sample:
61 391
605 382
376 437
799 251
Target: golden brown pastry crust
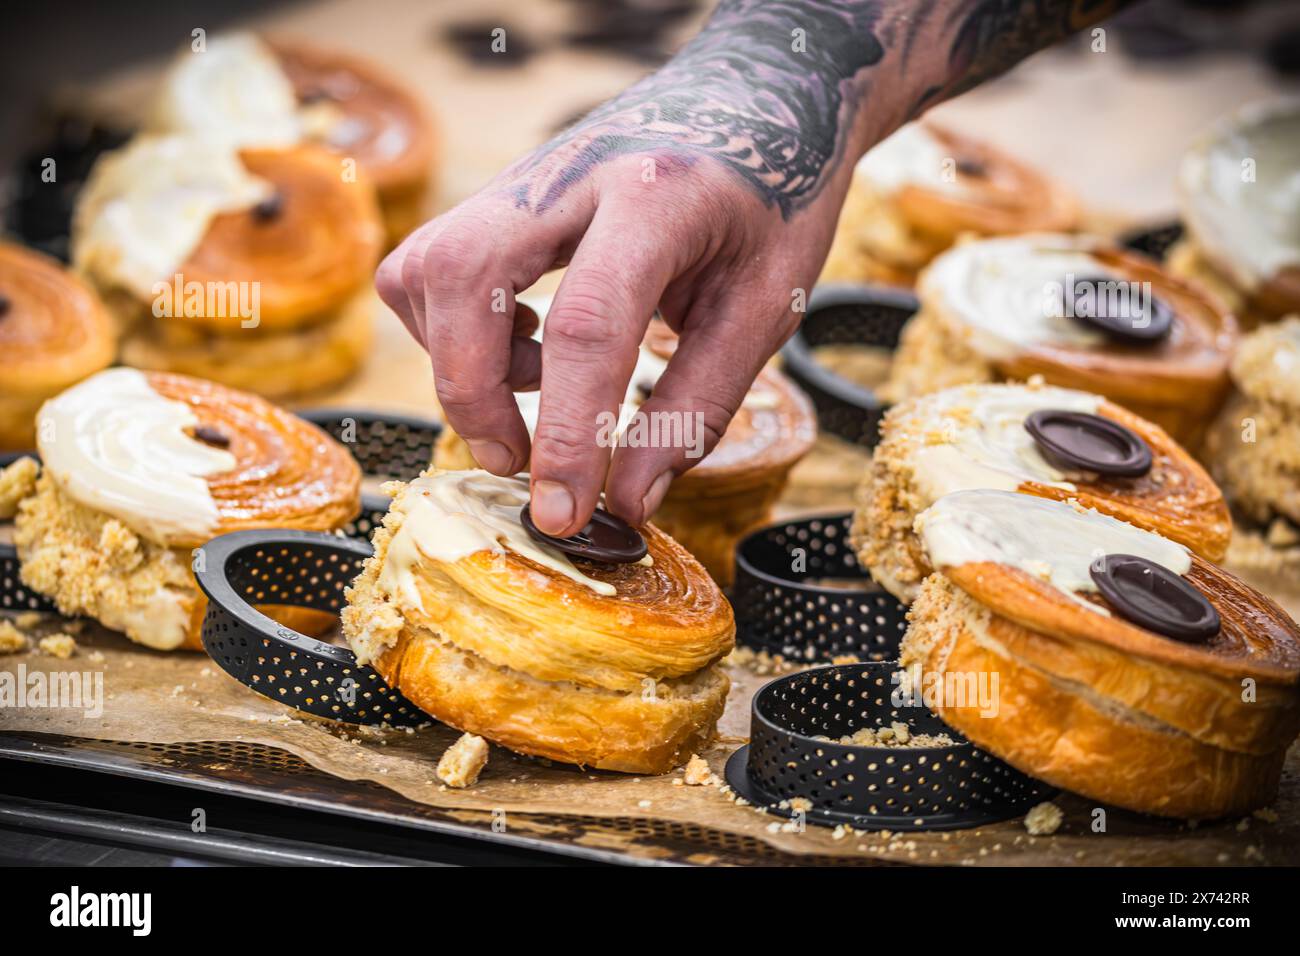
53 332
276 364
1102 707
501 647
288 473
315 254
396 146
1175 499
889 239
1178 384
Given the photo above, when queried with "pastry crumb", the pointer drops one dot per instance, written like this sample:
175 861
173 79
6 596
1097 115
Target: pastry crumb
697 772
463 761
28 620
62 646
897 734
1267 814
1044 819
12 640
16 483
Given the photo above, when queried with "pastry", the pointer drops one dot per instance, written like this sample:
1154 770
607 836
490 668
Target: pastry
503 635
983 436
733 490
1241 210
914 193
252 269
254 93
1077 312
1127 669
1254 450
140 469
53 332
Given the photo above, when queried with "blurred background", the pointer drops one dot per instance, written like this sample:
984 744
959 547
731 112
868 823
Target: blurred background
1110 124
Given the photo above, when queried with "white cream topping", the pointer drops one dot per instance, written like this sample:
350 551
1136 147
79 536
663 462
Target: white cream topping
911 156
1006 293
233 92
115 445
147 206
1054 541
974 436
1240 190
451 515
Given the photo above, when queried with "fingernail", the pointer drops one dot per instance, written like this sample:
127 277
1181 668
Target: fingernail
493 456
552 507
655 496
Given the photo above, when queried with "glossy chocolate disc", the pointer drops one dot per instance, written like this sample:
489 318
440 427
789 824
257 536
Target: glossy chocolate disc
606 538
1094 301
1151 596
1077 440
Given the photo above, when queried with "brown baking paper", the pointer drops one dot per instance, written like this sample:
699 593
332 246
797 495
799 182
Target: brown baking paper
184 698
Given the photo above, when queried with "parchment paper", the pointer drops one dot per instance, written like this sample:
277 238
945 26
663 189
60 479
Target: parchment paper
184 697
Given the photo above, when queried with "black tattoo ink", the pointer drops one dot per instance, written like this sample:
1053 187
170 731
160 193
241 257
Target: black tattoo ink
770 88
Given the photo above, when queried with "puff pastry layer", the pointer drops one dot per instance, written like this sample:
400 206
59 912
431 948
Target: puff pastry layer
1176 498
1178 383
889 231
497 645
53 332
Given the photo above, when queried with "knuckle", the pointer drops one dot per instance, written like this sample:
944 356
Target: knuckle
388 279
563 442
460 396
453 258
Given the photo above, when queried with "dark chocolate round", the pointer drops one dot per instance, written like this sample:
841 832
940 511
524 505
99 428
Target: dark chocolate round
1116 316
1151 596
211 436
269 208
1077 440
606 538
5 305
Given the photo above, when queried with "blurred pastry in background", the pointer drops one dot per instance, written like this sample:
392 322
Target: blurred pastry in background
140 469
249 268
1078 312
1033 439
1239 187
1120 657
734 489
250 92
54 332
914 193
1254 451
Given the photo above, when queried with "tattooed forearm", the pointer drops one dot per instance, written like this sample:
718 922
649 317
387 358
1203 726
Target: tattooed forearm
773 89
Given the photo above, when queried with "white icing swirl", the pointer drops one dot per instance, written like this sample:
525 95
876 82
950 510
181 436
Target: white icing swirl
115 445
974 436
233 92
148 205
1240 190
1054 541
1005 293
909 157
451 515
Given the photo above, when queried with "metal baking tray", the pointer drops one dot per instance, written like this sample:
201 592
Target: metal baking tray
268 775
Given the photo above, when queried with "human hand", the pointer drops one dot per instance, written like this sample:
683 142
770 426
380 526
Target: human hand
644 203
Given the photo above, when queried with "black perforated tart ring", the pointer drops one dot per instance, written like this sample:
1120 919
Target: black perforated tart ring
794 755
799 592
298 568
846 314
